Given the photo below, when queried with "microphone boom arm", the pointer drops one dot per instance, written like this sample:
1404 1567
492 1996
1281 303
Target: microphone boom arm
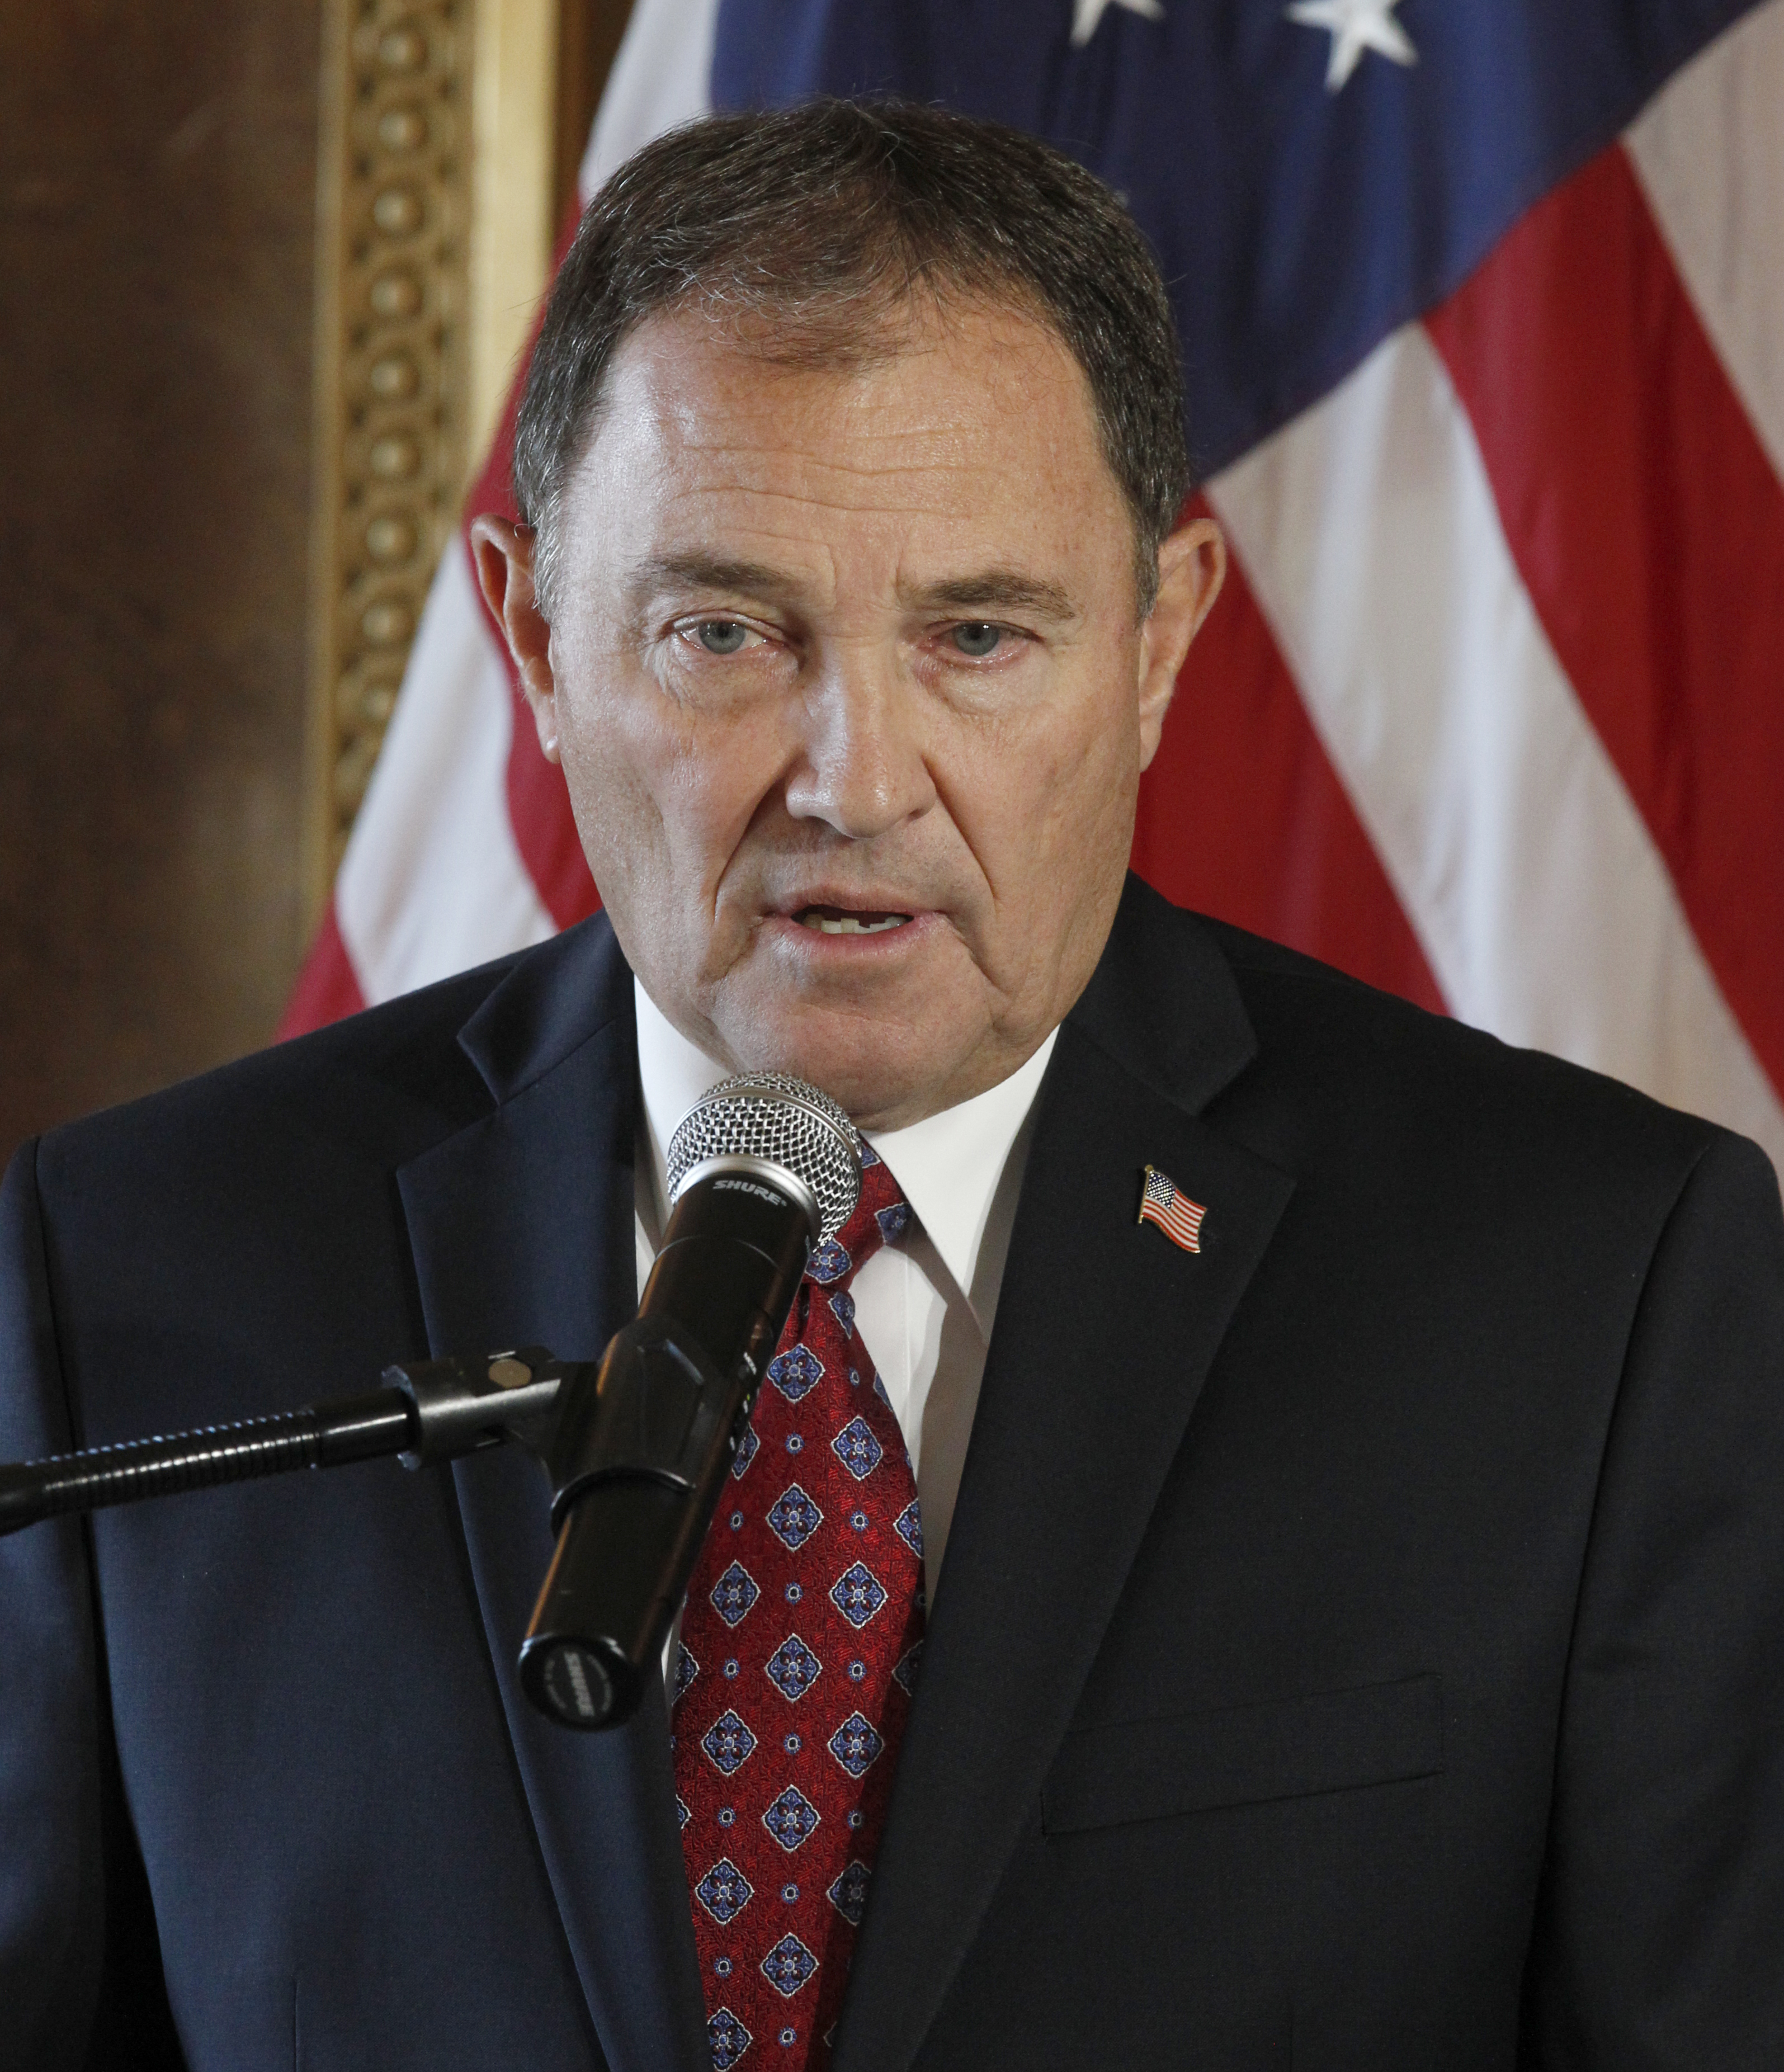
428 1411
638 1445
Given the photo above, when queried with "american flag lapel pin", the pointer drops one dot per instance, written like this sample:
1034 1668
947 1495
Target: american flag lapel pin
1162 1201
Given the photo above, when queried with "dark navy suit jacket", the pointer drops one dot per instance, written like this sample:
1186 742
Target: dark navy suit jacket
1361 1644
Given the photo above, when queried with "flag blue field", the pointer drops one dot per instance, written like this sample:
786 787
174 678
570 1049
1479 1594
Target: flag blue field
1298 219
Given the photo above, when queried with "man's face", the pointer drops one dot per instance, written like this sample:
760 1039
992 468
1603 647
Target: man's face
846 679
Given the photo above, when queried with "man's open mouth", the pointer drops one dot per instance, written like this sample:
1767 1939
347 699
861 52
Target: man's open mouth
844 921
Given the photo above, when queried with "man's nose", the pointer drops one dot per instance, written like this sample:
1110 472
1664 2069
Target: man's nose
864 769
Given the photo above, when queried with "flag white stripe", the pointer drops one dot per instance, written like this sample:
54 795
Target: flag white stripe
662 75
432 881
1368 531
1709 153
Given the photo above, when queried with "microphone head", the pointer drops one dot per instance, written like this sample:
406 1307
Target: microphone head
777 1119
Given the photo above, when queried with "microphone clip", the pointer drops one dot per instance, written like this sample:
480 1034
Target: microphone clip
468 1402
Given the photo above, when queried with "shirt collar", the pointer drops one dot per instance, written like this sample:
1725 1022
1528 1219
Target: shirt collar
947 1165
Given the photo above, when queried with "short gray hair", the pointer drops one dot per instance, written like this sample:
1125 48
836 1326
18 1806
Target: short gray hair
812 230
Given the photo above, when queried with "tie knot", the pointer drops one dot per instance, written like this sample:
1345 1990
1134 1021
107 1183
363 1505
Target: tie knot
881 1215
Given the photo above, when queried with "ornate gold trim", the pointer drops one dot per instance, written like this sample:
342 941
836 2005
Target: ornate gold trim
434 240
514 164
391 357
439 183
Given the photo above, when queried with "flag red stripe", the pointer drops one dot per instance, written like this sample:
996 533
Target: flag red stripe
1181 1229
1242 815
326 989
1648 526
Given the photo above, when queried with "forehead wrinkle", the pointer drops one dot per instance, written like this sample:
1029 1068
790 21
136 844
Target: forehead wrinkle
829 484
723 428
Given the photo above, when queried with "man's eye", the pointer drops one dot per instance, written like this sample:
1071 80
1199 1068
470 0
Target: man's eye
977 638
720 636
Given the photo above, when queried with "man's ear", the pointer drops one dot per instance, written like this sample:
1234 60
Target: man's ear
1192 565
504 555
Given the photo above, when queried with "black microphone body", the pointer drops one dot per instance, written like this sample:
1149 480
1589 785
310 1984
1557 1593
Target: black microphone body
640 1455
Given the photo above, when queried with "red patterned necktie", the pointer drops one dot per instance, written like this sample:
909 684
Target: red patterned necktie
799 1646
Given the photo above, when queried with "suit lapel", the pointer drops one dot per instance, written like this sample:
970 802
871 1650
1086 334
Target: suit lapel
521 1227
1104 1336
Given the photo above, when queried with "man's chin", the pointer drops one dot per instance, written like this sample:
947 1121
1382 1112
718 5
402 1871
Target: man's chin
875 1097
885 1074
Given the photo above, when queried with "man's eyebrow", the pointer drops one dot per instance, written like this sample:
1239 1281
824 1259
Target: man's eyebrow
995 589
696 571
988 590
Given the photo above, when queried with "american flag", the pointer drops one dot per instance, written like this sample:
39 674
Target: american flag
1483 306
1162 1201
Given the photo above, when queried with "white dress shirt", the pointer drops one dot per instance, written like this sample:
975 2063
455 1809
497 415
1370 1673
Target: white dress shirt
924 1305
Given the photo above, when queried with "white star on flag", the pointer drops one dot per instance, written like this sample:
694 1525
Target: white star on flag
1087 13
1355 26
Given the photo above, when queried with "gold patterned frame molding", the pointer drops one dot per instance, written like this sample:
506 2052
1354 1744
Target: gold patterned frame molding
449 128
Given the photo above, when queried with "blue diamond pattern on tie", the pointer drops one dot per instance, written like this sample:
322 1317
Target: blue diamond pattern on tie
793 1668
686 1670
849 1894
775 1788
727 2039
856 1448
909 1526
796 1372
894 1222
682 1815
729 1743
856 1744
857 1593
747 1450
794 1518
828 1263
788 1965
734 1592
724 1892
792 1819
906 1673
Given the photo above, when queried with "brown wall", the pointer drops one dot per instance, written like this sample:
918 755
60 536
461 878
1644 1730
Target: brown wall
157 240
156 168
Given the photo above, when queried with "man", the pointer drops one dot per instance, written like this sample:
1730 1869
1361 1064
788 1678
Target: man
1353 1590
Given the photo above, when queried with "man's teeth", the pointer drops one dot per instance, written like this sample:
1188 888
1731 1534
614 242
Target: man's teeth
831 921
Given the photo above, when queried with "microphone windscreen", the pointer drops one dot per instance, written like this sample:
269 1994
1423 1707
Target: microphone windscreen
782 1121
